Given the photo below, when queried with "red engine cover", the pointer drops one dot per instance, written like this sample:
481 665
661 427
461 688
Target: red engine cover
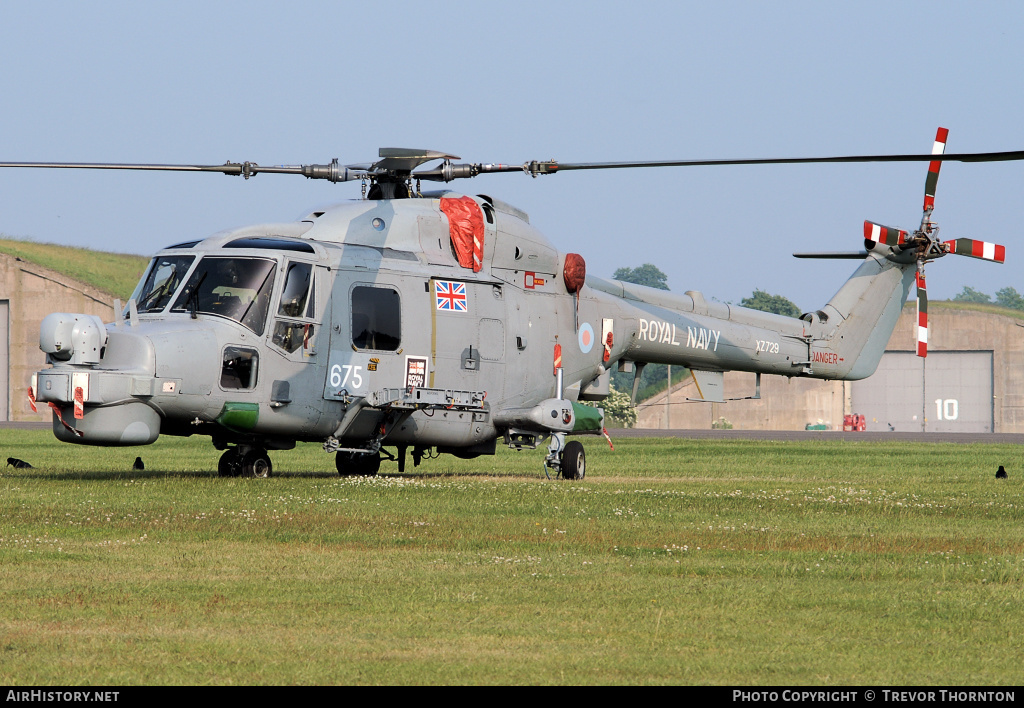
574 272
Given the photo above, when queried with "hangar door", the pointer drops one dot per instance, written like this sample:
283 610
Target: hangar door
946 392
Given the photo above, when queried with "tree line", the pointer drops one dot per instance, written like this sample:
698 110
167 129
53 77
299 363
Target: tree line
653 277
1006 297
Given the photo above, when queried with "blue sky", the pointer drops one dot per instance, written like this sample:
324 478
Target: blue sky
304 82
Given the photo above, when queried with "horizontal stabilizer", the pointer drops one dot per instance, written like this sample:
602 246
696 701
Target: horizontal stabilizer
842 255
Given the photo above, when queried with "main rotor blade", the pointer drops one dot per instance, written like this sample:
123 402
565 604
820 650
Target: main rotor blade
552 166
228 168
333 172
448 171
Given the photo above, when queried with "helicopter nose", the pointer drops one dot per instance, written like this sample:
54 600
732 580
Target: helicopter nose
101 385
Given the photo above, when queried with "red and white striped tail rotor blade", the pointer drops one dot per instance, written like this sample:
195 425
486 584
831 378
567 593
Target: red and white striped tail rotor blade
922 316
884 234
933 169
977 249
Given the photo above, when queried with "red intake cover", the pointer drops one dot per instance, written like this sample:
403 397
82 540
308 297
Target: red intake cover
574 272
466 224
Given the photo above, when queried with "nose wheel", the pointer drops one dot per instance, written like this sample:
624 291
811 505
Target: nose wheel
574 461
230 464
245 462
566 459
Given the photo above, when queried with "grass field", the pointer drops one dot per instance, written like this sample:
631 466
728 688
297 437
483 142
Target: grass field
674 562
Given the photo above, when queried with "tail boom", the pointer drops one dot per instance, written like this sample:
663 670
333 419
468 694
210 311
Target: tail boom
843 340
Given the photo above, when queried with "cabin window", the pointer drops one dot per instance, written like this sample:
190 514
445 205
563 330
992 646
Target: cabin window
236 288
238 370
376 318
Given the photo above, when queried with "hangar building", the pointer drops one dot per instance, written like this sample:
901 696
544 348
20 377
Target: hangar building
28 293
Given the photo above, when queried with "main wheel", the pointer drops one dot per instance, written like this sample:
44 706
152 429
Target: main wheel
255 463
574 461
230 464
354 464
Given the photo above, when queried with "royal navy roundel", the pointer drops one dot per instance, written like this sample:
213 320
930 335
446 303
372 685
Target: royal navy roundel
586 338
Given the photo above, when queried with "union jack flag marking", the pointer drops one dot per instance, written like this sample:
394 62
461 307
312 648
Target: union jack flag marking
451 296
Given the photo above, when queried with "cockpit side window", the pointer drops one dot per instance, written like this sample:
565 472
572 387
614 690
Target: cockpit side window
162 279
376 318
296 292
292 328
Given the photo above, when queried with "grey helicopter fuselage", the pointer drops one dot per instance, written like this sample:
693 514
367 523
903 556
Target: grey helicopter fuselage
358 326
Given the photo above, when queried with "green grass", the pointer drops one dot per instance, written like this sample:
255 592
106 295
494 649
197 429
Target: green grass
674 562
115 273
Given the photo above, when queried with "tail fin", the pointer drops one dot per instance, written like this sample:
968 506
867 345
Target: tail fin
860 318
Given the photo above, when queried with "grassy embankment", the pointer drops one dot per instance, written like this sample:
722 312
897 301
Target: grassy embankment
675 561
116 273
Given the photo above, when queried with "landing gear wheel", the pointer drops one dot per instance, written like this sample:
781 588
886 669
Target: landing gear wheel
354 464
574 461
255 463
230 464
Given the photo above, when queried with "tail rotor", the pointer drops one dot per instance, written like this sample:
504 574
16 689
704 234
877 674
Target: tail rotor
925 242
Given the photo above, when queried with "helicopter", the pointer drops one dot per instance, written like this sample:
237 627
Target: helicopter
435 322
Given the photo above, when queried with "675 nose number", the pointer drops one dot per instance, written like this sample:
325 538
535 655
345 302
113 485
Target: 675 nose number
346 376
